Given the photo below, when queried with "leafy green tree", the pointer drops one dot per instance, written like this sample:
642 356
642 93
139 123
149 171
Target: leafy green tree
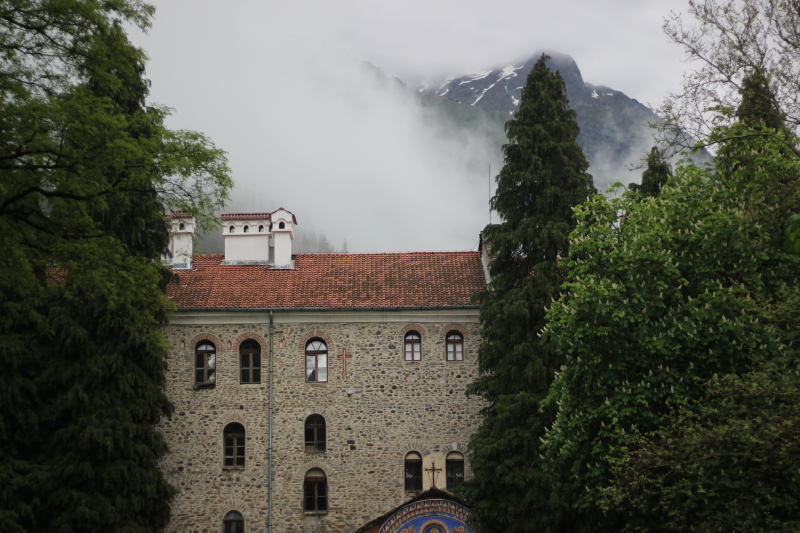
655 175
688 285
730 462
87 171
544 177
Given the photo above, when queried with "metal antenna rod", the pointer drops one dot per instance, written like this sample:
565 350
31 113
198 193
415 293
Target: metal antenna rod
490 194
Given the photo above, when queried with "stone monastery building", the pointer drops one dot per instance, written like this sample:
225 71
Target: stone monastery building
318 392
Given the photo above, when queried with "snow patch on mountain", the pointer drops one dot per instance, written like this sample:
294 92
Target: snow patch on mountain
484 92
443 85
477 76
509 72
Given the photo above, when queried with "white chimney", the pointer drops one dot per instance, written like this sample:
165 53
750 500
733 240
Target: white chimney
181 243
246 238
283 223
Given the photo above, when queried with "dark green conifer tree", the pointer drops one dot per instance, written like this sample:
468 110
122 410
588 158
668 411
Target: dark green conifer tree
758 103
86 173
104 370
544 177
655 175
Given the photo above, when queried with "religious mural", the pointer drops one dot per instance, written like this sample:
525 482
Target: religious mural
429 516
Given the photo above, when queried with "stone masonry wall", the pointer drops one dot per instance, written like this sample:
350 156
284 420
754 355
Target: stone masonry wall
381 409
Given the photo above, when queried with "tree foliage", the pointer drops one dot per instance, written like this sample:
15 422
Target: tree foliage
87 172
543 178
685 286
730 462
737 44
758 104
655 175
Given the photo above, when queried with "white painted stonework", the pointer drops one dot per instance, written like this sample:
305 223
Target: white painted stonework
246 240
181 243
283 233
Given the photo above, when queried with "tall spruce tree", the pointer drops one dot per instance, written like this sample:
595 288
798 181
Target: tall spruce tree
544 177
104 367
86 173
655 176
758 102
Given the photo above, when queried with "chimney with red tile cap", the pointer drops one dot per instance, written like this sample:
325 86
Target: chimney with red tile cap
181 245
283 223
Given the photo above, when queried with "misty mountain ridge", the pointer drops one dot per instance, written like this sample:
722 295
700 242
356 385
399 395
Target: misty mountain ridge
613 126
462 120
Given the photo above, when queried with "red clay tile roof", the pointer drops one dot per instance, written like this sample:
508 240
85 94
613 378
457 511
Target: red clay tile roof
294 218
417 279
245 216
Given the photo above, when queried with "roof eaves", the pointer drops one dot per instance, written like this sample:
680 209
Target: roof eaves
374 308
294 218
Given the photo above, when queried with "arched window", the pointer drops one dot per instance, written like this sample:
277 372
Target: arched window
230 230
413 346
315 434
246 229
315 490
234 445
182 226
261 229
413 467
455 470
281 225
316 361
234 522
455 346
205 363
250 362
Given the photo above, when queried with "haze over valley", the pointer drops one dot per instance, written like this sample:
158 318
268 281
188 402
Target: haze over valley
323 114
453 131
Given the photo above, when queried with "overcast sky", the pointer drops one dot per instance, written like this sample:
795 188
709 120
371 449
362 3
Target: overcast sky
275 84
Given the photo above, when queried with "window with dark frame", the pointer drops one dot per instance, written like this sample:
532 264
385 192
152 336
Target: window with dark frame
454 466
413 346
315 434
205 365
316 361
250 362
234 436
455 346
233 522
246 229
315 491
413 471
230 230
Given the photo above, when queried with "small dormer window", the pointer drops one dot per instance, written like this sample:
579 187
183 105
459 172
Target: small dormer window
230 230
246 229
261 229
182 226
281 225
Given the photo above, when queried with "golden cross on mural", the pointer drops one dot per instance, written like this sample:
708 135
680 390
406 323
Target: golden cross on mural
433 472
344 356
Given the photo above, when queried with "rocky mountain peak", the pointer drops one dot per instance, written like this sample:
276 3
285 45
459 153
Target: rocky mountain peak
614 129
